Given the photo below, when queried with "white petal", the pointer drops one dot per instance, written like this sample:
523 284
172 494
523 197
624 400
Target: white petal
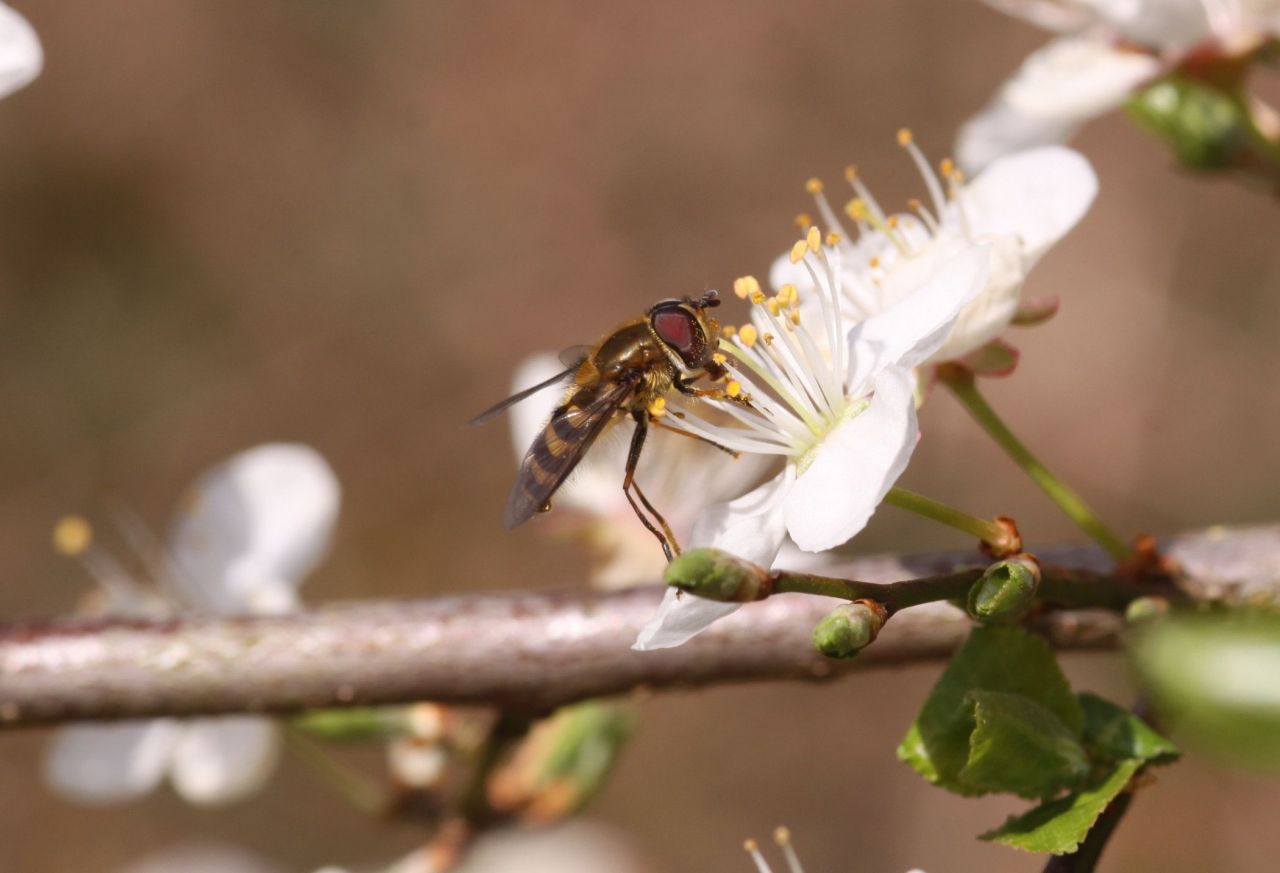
750 527
680 618
986 317
1056 89
1157 23
262 518
110 763
913 329
20 54
854 467
1049 14
219 760
1037 196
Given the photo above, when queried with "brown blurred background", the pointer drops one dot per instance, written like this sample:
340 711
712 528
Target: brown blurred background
344 223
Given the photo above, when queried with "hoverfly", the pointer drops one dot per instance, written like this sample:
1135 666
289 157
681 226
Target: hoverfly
628 373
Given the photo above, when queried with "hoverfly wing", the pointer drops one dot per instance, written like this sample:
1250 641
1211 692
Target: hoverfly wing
501 406
560 445
573 356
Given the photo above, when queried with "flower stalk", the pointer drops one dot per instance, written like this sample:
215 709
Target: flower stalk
999 538
964 387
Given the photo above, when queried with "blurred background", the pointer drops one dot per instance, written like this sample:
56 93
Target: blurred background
346 223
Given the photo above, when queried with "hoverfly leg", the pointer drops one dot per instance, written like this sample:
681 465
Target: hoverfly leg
693 436
666 538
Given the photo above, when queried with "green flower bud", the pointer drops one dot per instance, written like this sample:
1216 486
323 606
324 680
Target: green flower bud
849 628
1006 591
350 725
718 575
1205 126
1143 609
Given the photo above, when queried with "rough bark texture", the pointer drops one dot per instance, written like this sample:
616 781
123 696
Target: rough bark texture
530 651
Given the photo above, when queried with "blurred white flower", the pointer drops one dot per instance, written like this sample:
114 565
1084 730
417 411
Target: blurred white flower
681 476
201 859
835 403
1106 49
246 535
1020 206
20 54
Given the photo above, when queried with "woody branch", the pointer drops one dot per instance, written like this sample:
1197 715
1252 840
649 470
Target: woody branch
526 651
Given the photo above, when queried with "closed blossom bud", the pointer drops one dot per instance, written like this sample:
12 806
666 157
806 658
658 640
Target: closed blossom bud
1144 609
718 575
1207 127
849 628
1006 590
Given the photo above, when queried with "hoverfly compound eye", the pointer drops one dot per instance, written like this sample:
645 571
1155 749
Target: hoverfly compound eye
679 329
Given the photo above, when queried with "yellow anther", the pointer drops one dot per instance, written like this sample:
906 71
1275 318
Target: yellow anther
758 297
947 167
915 205
958 177
768 339
720 358
773 306
891 222
794 315
874 263
728 331
905 137
750 845
734 388
803 220
72 535
658 407
814 240
857 209
788 294
798 250
850 173
813 186
748 335
833 238
746 286
782 836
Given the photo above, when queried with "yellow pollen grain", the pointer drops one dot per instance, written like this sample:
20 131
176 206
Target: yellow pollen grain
891 222
750 845
905 137
850 173
803 220
814 240
72 535
857 209
746 286
734 388
768 339
773 306
947 167
720 358
794 315
758 298
833 238
748 335
813 186
798 250
658 407
874 263
782 835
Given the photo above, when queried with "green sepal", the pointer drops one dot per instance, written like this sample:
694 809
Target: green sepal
1060 826
358 724
1113 733
1020 747
995 658
1204 125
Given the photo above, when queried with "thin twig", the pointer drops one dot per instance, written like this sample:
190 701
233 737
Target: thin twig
526 651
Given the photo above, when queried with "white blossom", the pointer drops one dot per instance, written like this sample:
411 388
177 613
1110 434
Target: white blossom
835 404
246 535
1104 51
20 54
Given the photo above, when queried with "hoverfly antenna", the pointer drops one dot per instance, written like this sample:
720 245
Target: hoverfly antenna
710 298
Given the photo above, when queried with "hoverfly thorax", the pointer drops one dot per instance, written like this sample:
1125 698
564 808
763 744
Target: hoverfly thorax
686 329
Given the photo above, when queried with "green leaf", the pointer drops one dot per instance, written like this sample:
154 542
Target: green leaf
1059 826
1019 747
1217 677
1005 659
1115 734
